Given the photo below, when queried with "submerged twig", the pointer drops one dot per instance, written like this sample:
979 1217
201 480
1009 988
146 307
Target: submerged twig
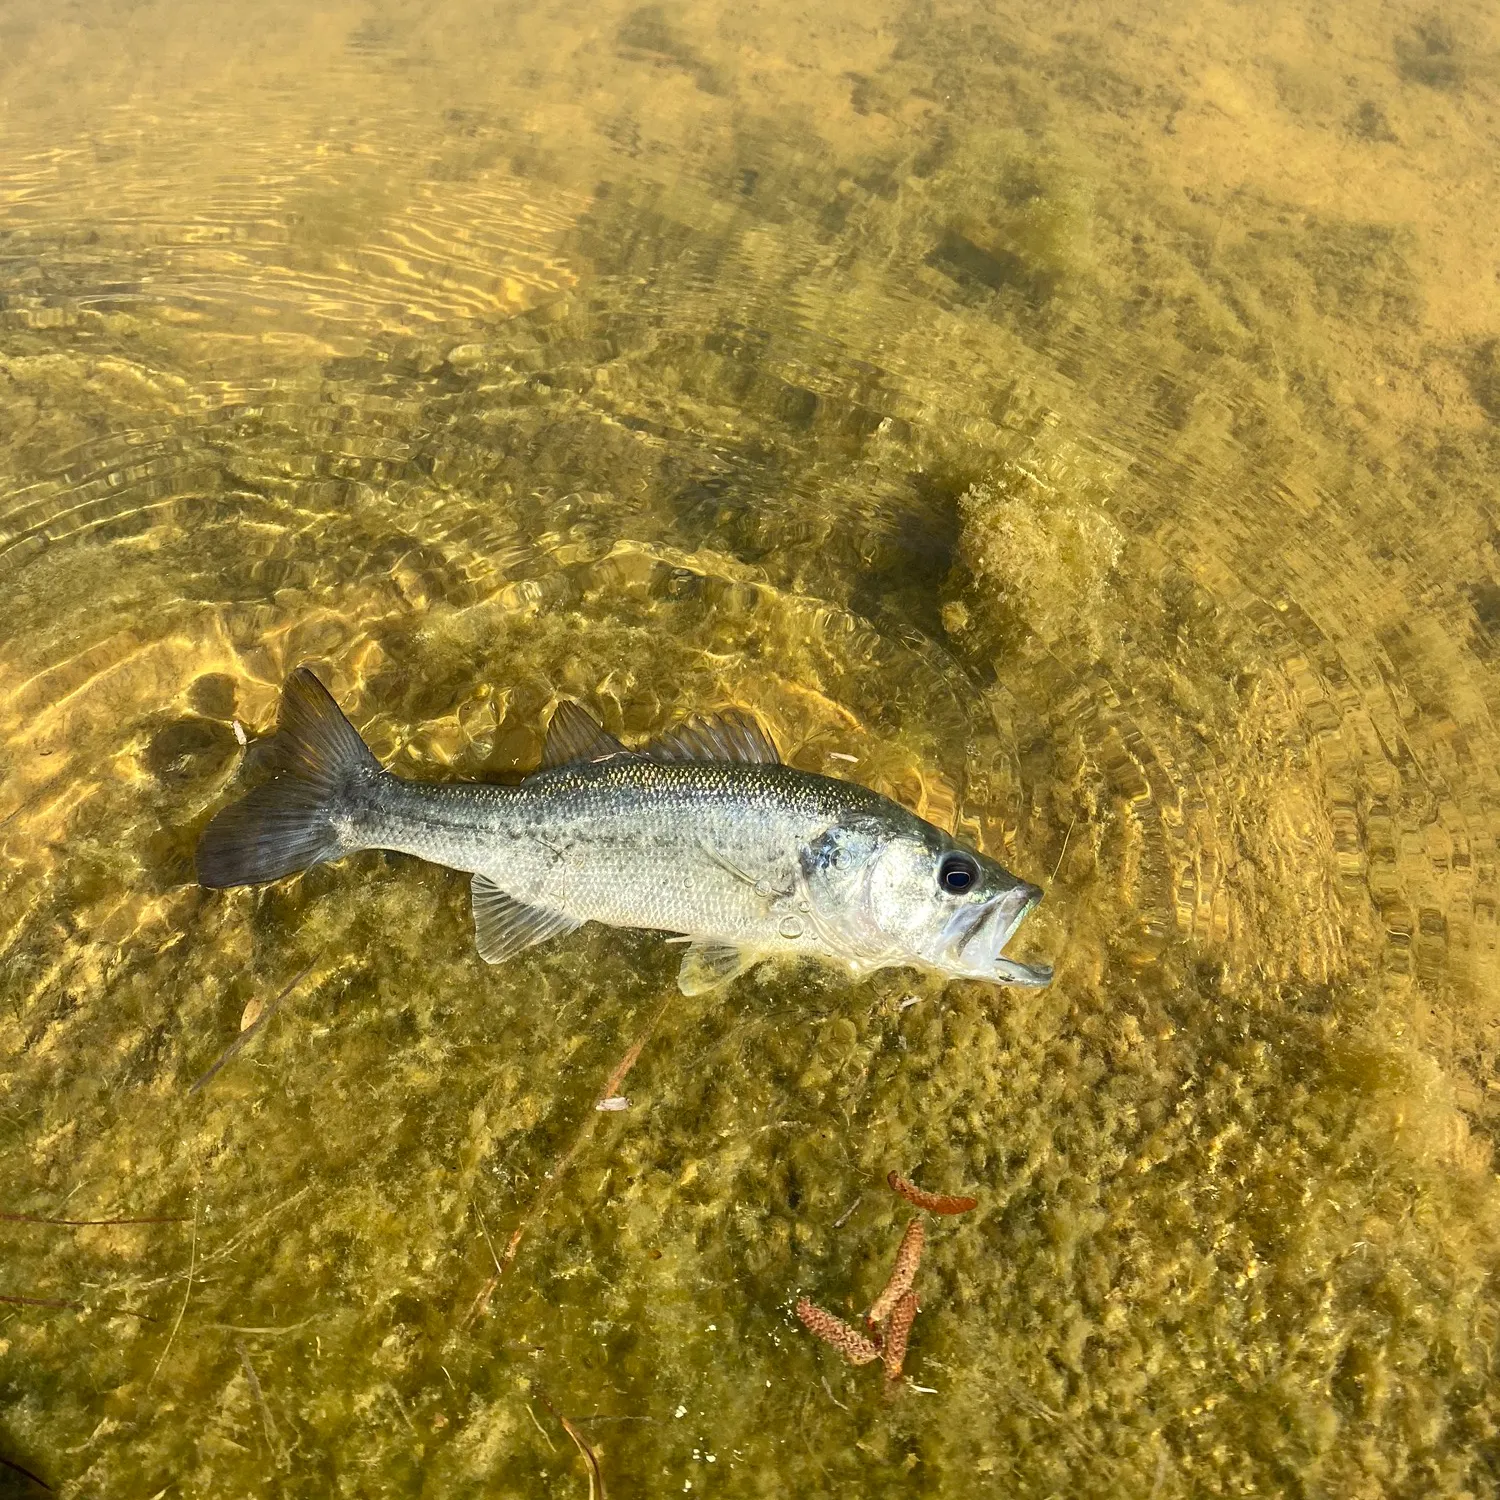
559 1168
44 1302
1063 852
589 1456
273 1442
15 1468
227 1250
484 1229
245 1036
80 1223
829 1389
113 1312
611 1090
192 1267
934 1203
395 1396
908 1257
836 1333
546 1436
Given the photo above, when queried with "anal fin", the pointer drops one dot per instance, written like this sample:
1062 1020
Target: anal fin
707 964
504 926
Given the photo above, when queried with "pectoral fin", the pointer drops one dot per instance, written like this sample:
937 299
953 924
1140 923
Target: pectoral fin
707 965
504 926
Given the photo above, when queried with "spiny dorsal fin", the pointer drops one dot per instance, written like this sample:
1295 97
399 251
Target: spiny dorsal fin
504 926
707 964
727 736
573 735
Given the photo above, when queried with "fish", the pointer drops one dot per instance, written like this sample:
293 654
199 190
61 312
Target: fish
703 833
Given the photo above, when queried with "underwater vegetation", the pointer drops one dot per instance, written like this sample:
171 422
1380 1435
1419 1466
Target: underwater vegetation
1079 428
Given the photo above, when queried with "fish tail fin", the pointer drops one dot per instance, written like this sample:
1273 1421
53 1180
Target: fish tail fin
288 824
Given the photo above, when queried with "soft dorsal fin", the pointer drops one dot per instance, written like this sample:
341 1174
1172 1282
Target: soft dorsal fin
728 736
504 926
708 964
573 735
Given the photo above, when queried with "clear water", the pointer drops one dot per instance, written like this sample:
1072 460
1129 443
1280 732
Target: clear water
1087 420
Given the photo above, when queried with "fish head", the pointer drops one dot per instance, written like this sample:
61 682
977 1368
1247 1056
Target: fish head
903 891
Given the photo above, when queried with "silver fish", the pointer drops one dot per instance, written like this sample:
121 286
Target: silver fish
702 832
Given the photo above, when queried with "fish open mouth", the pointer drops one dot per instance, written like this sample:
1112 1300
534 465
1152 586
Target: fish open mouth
982 933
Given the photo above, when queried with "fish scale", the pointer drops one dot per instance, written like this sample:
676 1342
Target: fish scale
632 844
704 833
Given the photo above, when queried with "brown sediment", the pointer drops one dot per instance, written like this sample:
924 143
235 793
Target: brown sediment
544 1194
934 1203
897 1331
850 1342
908 1257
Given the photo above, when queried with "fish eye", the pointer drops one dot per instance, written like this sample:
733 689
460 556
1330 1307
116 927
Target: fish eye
957 873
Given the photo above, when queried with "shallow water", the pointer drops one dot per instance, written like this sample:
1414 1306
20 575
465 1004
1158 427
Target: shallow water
1081 424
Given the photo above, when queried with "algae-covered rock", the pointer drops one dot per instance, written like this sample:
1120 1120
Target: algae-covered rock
1041 549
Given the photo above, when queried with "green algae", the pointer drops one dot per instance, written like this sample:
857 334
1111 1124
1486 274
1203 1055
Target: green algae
924 412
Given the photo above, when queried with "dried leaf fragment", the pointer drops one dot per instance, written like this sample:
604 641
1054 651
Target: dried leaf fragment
934 1203
908 1257
852 1344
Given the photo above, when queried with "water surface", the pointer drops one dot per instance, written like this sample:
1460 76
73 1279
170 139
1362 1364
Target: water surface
1080 424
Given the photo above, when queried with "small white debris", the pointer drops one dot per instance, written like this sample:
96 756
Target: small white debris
680 1412
712 1328
713 1458
240 735
910 1001
926 1390
614 1104
839 755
